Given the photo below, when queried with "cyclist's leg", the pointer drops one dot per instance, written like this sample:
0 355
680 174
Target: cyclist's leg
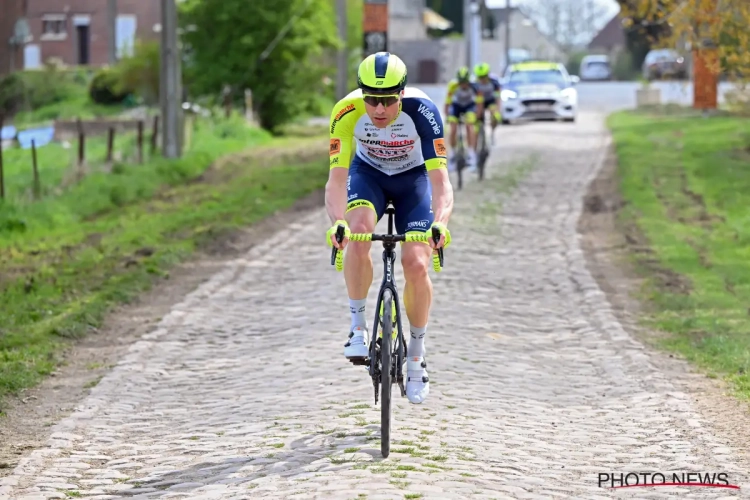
453 115
366 205
412 198
471 136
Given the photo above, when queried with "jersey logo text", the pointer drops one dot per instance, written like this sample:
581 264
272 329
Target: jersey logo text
430 118
335 147
439 145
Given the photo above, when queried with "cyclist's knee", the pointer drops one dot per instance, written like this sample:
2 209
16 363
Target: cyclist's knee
361 220
415 260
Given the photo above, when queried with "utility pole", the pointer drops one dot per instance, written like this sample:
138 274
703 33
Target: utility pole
467 31
507 33
476 33
343 55
170 94
112 21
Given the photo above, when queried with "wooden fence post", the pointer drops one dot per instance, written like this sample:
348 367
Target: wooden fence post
81 143
154 134
37 189
110 143
140 141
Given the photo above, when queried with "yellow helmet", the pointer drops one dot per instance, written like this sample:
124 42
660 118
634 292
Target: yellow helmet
382 73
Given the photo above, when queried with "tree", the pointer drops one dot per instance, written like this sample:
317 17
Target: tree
225 40
569 22
721 24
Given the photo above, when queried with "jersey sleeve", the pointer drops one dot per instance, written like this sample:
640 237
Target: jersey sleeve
452 85
342 123
429 125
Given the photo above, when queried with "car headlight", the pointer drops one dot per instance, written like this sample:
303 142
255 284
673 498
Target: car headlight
506 95
568 93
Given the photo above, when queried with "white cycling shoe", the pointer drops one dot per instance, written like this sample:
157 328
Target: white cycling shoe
357 346
471 160
417 381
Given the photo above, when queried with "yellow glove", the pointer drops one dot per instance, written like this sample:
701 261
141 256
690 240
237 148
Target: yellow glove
443 231
331 234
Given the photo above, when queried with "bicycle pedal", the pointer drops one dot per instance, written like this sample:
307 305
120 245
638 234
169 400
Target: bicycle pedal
359 361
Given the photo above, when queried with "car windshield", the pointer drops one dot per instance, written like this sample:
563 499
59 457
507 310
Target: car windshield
537 76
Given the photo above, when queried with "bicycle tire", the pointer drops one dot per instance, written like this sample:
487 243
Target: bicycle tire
386 363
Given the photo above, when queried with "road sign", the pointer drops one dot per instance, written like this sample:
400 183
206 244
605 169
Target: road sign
375 41
375 26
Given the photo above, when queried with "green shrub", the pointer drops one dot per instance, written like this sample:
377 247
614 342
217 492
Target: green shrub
105 88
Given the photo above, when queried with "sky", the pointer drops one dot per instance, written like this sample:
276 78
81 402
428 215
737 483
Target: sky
611 5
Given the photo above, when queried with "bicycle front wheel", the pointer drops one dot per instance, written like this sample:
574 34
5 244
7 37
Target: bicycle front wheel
386 363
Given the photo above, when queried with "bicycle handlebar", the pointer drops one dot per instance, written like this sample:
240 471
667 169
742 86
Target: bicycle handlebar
337 258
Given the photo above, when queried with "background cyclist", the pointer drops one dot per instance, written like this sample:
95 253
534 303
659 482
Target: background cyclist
463 100
488 85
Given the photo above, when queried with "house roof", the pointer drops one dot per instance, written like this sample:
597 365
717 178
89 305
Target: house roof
434 20
501 14
611 35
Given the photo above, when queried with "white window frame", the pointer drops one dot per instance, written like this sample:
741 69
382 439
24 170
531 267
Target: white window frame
54 36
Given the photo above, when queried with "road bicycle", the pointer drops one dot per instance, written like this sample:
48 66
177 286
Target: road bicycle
482 150
386 358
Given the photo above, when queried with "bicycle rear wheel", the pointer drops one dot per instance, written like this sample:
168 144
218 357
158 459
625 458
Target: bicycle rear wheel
482 149
386 364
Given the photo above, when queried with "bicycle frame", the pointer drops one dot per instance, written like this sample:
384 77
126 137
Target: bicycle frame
388 283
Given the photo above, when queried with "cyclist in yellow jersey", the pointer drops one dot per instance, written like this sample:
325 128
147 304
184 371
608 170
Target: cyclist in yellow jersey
399 155
488 85
463 99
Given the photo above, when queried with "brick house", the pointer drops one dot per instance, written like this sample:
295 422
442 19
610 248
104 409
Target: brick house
74 31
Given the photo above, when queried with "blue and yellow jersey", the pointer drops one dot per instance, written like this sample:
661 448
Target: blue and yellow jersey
413 139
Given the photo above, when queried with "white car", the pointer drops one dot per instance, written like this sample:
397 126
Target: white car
595 67
538 90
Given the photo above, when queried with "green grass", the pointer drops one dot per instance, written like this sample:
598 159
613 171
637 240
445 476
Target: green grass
66 260
686 182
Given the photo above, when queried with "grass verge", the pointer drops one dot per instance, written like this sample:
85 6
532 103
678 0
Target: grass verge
70 258
684 180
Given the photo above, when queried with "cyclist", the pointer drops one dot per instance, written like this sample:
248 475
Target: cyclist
463 100
488 85
399 155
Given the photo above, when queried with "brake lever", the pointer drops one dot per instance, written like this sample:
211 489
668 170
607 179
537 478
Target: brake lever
339 238
436 239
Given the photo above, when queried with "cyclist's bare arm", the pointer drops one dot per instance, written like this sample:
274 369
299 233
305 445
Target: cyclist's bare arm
442 195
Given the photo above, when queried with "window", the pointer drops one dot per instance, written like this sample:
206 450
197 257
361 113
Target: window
54 27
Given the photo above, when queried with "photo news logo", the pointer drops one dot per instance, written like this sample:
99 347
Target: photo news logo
650 479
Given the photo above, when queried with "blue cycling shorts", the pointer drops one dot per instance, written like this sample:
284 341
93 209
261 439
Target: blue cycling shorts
410 192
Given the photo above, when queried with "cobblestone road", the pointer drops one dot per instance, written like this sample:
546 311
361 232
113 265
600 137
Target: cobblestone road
243 391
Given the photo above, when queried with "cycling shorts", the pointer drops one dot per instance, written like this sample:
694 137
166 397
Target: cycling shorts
457 110
410 192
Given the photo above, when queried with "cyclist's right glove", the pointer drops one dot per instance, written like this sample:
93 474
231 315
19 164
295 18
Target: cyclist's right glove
443 230
332 231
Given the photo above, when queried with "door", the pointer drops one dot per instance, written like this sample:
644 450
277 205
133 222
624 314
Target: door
84 44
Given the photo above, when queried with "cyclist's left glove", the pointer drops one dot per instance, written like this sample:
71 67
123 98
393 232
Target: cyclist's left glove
443 230
332 231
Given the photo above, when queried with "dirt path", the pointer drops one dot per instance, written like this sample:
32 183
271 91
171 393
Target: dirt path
538 386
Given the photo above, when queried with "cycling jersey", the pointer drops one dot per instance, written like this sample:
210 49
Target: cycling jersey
413 139
462 96
489 88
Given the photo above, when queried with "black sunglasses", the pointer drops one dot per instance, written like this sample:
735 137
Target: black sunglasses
385 100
